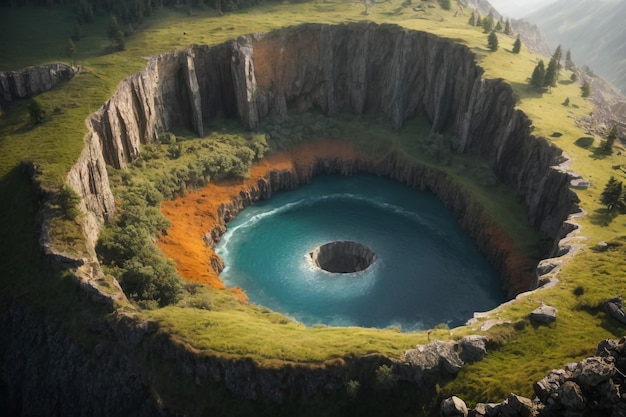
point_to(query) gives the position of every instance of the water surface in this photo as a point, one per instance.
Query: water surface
(427, 272)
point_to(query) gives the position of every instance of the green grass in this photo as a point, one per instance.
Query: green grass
(54, 146)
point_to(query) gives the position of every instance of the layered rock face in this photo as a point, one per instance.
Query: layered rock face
(31, 81)
(343, 257)
(382, 70)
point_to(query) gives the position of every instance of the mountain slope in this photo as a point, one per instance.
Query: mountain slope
(593, 30)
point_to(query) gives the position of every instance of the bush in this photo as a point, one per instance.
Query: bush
(352, 388)
(385, 379)
(68, 202)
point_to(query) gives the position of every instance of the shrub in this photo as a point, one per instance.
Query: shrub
(385, 379)
(68, 201)
(352, 388)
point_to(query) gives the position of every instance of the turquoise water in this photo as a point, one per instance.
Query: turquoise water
(427, 272)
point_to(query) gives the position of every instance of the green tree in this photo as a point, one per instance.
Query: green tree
(507, 28)
(585, 89)
(612, 195)
(517, 46)
(610, 139)
(558, 57)
(385, 378)
(498, 26)
(492, 41)
(116, 35)
(551, 74)
(445, 4)
(488, 23)
(36, 112)
(569, 64)
(539, 75)
(71, 50)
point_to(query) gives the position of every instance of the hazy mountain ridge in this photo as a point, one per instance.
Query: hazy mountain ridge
(593, 30)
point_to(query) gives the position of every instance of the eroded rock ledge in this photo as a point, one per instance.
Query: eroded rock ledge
(31, 81)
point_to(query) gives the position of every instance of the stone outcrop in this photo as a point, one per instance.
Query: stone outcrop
(343, 257)
(543, 314)
(591, 387)
(426, 362)
(31, 81)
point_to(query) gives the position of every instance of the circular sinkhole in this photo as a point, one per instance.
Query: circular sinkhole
(343, 257)
(423, 269)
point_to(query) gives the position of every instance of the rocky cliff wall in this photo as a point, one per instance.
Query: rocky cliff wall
(383, 70)
(31, 81)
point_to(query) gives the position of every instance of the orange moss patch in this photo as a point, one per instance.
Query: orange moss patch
(193, 215)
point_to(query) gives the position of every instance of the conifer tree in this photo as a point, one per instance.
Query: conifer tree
(585, 89)
(498, 27)
(612, 195)
(488, 23)
(551, 74)
(507, 28)
(116, 35)
(611, 137)
(517, 46)
(492, 41)
(445, 4)
(539, 75)
(36, 112)
(71, 50)
(569, 64)
(557, 57)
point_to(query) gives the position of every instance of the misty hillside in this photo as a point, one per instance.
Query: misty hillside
(594, 30)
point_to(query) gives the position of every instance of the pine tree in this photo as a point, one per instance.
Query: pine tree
(473, 18)
(488, 23)
(71, 50)
(498, 26)
(612, 195)
(551, 74)
(557, 57)
(517, 46)
(116, 35)
(539, 75)
(507, 28)
(36, 112)
(492, 41)
(569, 64)
(445, 4)
(611, 137)
(585, 89)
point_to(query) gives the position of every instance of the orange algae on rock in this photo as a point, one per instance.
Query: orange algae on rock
(196, 213)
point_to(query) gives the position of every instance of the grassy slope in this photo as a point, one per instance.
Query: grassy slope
(56, 144)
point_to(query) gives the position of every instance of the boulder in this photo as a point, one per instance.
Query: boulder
(544, 314)
(473, 348)
(593, 371)
(570, 396)
(453, 407)
(516, 406)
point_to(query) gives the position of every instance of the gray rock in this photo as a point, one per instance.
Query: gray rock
(516, 406)
(453, 407)
(593, 371)
(544, 314)
(571, 396)
(31, 81)
(473, 348)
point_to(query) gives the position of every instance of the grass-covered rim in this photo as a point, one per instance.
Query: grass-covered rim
(525, 352)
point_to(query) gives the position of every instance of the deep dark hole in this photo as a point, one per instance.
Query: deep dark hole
(343, 257)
